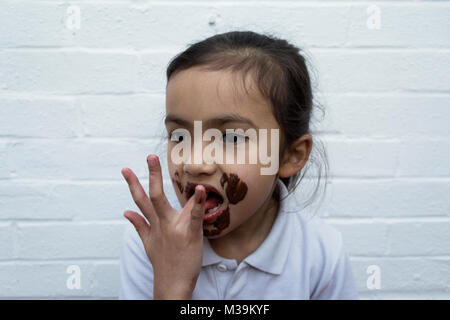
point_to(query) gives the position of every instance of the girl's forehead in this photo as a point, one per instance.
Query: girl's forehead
(197, 94)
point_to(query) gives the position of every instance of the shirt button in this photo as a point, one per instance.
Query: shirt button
(222, 267)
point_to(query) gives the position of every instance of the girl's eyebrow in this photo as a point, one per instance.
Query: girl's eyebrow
(220, 120)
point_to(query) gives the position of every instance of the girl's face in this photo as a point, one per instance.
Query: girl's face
(217, 100)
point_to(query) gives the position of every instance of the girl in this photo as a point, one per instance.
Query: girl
(235, 233)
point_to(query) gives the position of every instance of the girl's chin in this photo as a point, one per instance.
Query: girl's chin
(214, 233)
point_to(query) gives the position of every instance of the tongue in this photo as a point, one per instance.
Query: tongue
(212, 201)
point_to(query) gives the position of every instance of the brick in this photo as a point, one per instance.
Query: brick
(402, 24)
(384, 115)
(403, 276)
(39, 117)
(424, 157)
(7, 240)
(69, 240)
(45, 201)
(390, 70)
(68, 71)
(105, 281)
(406, 237)
(325, 24)
(84, 159)
(48, 280)
(360, 157)
(405, 198)
(136, 116)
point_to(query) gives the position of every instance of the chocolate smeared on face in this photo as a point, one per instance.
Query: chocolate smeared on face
(180, 187)
(222, 222)
(177, 182)
(236, 188)
(210, 233)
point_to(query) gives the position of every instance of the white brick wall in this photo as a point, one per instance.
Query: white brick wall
(76, 106)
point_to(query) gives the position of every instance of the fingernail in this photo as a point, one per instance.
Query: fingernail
(199, 194)
(124, 174)
(152, 161)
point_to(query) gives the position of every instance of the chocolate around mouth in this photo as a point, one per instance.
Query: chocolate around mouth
(190, 190)
(222, 222)
(177, 182)
(236, 190)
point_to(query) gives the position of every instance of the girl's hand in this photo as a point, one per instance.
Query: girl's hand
(174, 239)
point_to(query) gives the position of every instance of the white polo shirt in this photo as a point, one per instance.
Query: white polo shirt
(301, 258)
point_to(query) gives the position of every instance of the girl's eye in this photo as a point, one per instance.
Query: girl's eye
(233, 138)
(177, 136)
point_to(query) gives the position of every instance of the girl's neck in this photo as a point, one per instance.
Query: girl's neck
(245, 239)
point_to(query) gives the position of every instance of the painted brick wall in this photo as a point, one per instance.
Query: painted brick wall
(77, 105)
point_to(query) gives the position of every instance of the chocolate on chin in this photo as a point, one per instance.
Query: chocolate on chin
(222, 222)
(210, 233)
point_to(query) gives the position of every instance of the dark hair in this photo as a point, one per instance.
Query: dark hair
(279, 70)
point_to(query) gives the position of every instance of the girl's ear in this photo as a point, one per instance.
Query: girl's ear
(295, 156)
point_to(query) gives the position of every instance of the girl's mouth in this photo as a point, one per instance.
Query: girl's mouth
(214, 203)
(213, 209)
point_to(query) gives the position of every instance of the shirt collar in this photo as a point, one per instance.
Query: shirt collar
(272, 254)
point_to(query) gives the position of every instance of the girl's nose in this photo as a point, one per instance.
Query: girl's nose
(199, 169)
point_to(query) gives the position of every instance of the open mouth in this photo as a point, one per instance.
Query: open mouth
(214, 204)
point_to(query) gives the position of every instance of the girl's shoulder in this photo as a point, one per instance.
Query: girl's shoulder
(319, 229)
(316, 236)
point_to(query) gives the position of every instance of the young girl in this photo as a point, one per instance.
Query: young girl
(235, 233)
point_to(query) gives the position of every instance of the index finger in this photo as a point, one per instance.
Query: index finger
(156, 190)
(139, 195)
